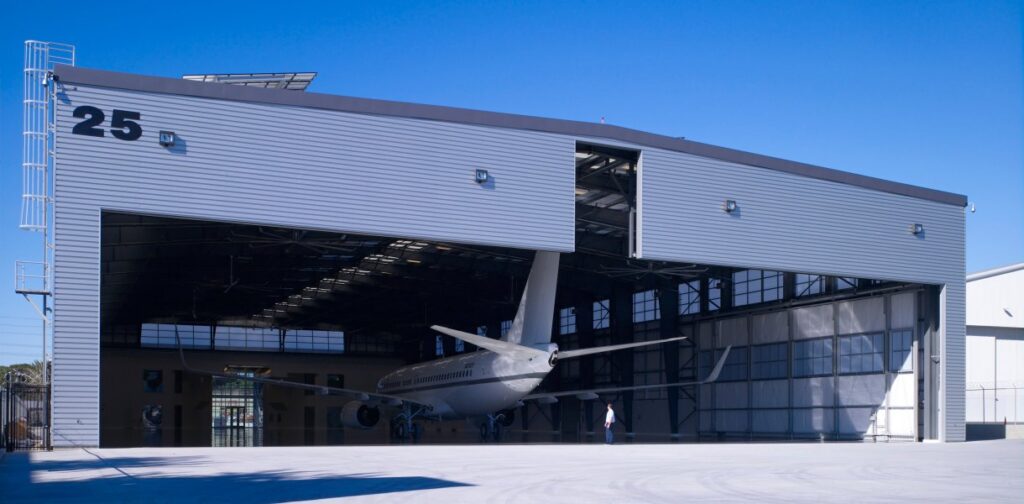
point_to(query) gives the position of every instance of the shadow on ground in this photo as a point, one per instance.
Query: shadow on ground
(107, 481)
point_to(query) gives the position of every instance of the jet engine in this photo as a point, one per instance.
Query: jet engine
(359, 415)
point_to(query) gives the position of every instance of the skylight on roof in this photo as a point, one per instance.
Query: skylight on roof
(294, 81)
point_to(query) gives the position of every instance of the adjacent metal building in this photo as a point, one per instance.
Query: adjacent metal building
(316, 162)
(995, 345)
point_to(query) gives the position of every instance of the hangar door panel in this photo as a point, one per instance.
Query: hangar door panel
(843, 370)
(790, 222)
(314, 168)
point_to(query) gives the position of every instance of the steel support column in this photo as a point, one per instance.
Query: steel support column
(668, 297)
(585, 331)
(622, 332)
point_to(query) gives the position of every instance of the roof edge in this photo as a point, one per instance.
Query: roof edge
(995, 271)
(167, 85)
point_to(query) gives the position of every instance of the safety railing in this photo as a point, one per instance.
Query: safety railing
(32, 277)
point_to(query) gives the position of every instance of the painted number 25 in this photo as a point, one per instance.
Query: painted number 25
(122, 123)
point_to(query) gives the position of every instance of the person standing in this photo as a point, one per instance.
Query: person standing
(609, 422)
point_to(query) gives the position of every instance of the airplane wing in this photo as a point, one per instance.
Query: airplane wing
(373, 397)
(569, 354)
(588, 394)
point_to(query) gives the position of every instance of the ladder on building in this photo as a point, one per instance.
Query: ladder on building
(35, 277)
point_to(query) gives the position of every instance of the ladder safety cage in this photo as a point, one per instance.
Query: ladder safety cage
(38, 129)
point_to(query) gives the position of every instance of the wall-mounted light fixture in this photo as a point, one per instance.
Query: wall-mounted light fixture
(917, 229)
(482, 176)
(730, 206)
(167, 138)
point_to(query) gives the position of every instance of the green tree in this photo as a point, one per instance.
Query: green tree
(33, 372)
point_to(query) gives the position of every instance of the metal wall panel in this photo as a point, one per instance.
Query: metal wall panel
(952, 340)
(813, 420)
(904, 312)
(770, 421)
(770, 393)
(791, 223)
(731, 395)
(855, 421)
(817, 391)
(287, 166)
(861, 390)
(732, 332)
(861, 316)
(319, 169)
(770, 328)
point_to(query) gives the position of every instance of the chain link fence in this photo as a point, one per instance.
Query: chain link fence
(995, 403)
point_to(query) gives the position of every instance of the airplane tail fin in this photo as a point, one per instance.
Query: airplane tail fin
(532, 325)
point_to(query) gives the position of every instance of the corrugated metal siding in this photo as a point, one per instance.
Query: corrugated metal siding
(76, 352)
(953, 320)
(791, 223)
(287, 166)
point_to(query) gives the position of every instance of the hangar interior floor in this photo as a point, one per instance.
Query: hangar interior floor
(988, 471)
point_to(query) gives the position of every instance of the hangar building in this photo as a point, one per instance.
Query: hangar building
(316, 238)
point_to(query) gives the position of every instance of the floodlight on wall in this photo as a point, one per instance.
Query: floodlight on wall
(730, 206)
(917, 229)
(482, 176)
(167, 138)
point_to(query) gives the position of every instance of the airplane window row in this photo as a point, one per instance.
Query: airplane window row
(428, 379)
(399, 383)
(445, 376)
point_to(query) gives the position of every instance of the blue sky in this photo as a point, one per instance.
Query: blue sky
(927, 93)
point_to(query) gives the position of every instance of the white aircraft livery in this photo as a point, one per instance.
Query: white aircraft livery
(487, 384)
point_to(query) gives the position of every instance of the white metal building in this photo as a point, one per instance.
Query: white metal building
(995, 345)
(749, 250)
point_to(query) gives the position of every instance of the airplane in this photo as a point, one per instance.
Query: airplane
(485, 385)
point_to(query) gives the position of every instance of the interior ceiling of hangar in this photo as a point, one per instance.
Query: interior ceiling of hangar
(166, 269)
(163, 269)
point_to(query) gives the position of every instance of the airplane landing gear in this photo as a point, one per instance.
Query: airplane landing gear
(491, 428)
(490, 431)
(403, 428)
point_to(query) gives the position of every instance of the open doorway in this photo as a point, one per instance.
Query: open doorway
(237, 409)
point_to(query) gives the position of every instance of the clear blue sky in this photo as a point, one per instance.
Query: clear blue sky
(928, 93)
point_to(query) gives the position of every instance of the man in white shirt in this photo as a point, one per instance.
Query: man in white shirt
(609, 421)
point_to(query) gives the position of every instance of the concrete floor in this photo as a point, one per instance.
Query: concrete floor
(987, 471)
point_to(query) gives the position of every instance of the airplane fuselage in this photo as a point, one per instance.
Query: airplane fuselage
(468, 385)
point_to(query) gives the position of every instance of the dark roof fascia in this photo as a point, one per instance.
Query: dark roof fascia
(133, 82)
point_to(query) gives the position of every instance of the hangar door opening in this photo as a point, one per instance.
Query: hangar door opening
(310, 307)
(813, 355)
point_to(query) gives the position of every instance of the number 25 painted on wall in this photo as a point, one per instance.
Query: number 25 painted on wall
(122, 123)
